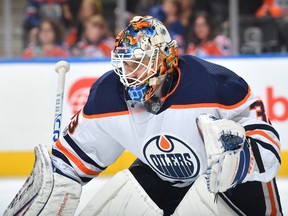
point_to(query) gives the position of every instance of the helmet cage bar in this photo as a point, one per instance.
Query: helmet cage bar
(118, 59)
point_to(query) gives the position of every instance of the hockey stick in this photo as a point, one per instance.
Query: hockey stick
(62, 67)
(36, 190)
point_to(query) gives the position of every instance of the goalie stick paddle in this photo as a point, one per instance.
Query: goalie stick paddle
(36, 190)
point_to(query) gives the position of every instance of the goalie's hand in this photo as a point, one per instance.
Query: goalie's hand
(230, 158)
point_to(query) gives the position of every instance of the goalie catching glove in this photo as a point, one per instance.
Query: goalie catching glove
(230, 157)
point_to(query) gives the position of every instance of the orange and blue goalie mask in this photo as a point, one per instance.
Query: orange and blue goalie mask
(142, 57)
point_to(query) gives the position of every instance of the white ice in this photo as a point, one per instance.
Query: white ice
(10, 186)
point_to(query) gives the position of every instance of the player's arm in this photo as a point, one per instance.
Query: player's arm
(84, 149)
(263, 139)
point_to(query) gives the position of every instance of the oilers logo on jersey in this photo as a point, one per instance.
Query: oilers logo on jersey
(171, 158)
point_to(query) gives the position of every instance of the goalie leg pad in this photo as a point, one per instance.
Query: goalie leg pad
(122, 195)
(64, 198)
(199, 201)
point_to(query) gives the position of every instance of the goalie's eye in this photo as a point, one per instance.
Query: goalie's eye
(131, 64)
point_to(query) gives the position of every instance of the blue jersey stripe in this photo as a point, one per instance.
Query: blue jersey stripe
(246, 157)
(262, 127)
(270, 148)
(83, 179)
(257, 154)
(240, 169)
(81, 153)
(60, 155)
(244, 162)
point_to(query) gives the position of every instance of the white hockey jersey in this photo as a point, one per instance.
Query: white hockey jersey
(169, 142)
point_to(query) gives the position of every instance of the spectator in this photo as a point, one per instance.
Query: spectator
(186, 16)
(49, 42)
(203, 39)
(169, 13)
(187, 10)
(96, 41)
(70, 12)
(136, 8)
(38, 10)
(218, 10)
(277, 10)
(87, 9)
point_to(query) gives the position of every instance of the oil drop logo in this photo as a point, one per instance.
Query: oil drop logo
(171, 158)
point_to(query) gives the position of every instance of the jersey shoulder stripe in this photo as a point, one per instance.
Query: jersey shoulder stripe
(103, 115)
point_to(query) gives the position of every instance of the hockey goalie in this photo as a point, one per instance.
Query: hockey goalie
(203, 142)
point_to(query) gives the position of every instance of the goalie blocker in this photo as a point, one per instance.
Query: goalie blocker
(45, 192)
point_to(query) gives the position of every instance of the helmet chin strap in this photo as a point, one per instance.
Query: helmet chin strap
(156, 80)
(154, 103)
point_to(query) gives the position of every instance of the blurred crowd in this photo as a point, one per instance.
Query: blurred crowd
(86, 28)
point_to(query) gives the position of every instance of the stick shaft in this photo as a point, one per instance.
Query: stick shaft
(59, 104)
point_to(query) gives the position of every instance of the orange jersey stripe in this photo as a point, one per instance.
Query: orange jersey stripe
(262, 133)
(213, 105)
(272, 199)
(75, 160)
(104, 115)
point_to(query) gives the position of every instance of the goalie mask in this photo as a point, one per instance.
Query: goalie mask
(144, 58)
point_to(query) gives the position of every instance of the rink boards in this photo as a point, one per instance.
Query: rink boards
(28, 88)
